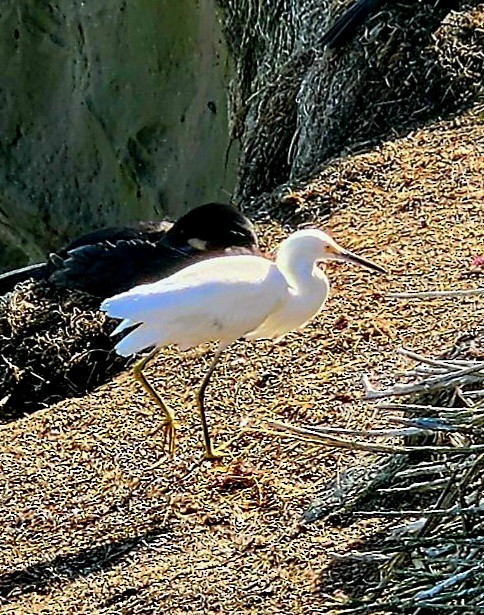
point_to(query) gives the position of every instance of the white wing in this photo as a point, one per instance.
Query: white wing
(217, 299)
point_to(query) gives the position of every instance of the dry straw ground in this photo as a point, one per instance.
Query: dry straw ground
(97, 519)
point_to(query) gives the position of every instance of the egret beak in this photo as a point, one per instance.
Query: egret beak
(350, 257)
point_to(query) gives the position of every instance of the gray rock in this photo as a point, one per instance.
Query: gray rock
(109, 112)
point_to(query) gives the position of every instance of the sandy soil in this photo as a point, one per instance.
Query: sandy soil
(97, 519)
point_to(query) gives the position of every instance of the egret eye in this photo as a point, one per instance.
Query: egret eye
(198, 244)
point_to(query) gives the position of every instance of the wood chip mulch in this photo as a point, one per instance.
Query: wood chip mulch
(97, 519)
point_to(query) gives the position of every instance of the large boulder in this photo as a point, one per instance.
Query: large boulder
(109, 111)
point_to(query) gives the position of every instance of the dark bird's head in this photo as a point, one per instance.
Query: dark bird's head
(213, 226)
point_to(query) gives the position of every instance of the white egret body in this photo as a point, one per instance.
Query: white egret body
(226, 298)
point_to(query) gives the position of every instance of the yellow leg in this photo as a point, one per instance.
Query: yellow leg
(169, 422)
(210, 453)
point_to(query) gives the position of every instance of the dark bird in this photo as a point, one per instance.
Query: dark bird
(345, 27)
(112, 260)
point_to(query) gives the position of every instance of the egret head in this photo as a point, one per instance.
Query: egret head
(213, 226)
(319, 247)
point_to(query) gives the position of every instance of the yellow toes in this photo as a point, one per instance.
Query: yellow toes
(213, 454)
(169, 427)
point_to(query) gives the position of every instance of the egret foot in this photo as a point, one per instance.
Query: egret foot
(219, 453)
(169, 427)
(213, 454)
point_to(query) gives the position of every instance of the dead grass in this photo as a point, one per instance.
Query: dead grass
(295, 104)
(96, 519)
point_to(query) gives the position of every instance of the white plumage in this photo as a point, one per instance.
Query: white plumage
(227, 304)
(227, 298)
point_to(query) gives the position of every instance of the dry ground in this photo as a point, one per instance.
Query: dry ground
(96, 518)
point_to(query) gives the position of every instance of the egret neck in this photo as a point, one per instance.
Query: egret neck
(308, 289)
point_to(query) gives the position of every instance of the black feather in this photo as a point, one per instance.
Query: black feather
(112, 260)
(345, 27)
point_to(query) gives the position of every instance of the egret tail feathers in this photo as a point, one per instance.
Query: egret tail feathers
(124, 324)
(138, 340)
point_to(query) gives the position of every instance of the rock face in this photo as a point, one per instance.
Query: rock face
(109, 112)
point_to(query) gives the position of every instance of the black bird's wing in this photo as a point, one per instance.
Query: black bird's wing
(10, 279)
(152, 231)
(106, 269)
(94, 243)
(344, 28)
(110, 260)
(110, 264)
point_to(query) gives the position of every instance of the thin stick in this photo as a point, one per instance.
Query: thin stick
(447, 365)
(436, 382)
(309, 435)
(411, 430)
(412, 407)
(437, 294)
(433, 512)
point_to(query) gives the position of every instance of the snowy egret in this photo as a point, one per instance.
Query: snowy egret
(111, 260)
(239, 296)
